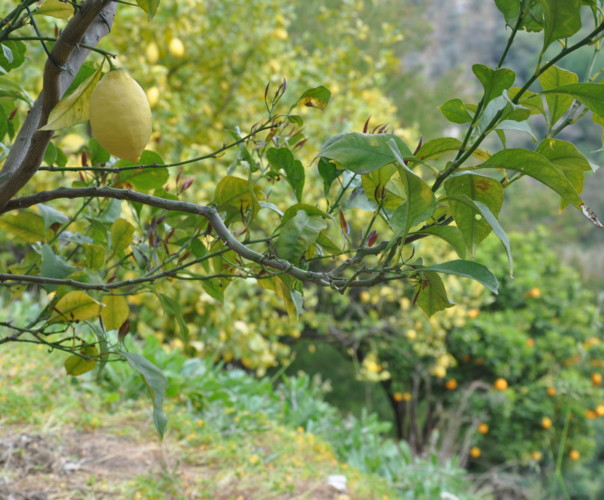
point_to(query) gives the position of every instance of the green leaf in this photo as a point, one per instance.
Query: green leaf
(557, 104)
(591, 95)
(234, 195)
(174, 309)
(310, 210)
(283, 158)
(28, 226)
(51, 215)
(377, 183)
(517, 126)
(431, 294)
(455, 111)
(561, 19)
(488, 216)
(532, 20)
(467, 269)
(329, 173)
(529, 100)
(156, 383)
(433, 149)
(494, 82)
(56, 8)
(362, 153)
(77, 365)
(73, 109)
(12, 55)
(95, 255)
(98, 154)
(538, 167)
(297, 235)
(450, 234)
(569, 161)
(317, 97)
(149, 6)
(121, 235)
(74, 306)
(13, 90)
(479, 188)
(144, 179)
(53, 266)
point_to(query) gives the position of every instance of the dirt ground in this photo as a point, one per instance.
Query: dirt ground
(84, 465)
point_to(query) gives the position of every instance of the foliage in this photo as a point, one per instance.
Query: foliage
(350, 223)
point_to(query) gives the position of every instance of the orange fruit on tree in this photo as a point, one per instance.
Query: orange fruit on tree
(483, 428)
(551, 391)
(397, 396)
(475, 452)
(596, 379)
(451, 384)
(500, 384)
(574, 455)
(533, 293)
(590, 415)
(536, 456)
(546, 422)
(600, 410)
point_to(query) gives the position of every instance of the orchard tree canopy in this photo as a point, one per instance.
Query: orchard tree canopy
(95, 233)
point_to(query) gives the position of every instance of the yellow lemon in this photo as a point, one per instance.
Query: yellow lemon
(500, 384)
(176, 47)
(475, 452)
(536, 456)
(152, 96)
(120, 116)
(483, 428)
(546, 423)
(574, 455)
(152, 52)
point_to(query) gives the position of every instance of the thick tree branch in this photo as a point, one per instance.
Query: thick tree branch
(91, 22)
(218, 225)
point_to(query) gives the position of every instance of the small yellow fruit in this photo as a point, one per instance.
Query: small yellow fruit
(152, 96)
(176, 47)
(600, 410)
(473, 313)
(398, 397)
(574, 455)
(451, 384)
(590, 415)
(120, 116)
(536, 456)
(280, 34)
(500, 384)
(533, 293)
(439, 371)
(475, 452)
(411, 334)
(596, 379)
(483, 428)
(530, 342)
(152, 53)
(551, 391)
(546, 423)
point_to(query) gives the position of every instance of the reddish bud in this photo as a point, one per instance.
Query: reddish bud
(373, 235)
(12, 114)
(344, 224)
(366, 126)
(419, 146)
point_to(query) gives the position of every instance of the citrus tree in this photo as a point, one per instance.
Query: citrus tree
(123, 222)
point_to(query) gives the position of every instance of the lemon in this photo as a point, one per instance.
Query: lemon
(120, 116)
(152, 96)
(152, 52)
(176, 47)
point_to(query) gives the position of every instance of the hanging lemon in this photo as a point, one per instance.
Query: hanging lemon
(120, 116)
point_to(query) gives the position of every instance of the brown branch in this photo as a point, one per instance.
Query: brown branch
(91, 22)
(218, 225)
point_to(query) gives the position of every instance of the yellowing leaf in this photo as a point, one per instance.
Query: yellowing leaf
(77, 365)
(75, 306)
(26, 225)
(121, 235)
(56, 8)
(115, 312)
(73, 109)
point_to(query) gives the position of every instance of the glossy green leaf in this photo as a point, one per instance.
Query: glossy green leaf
(12, 54)
(297, 235)
(75, 306)
(28, 226)
(529, 100)
(317, 97)
(73, 109)
(431, 295)
(53, 266)
(156, 383)
(433, 149)
(283, 159)
(532, 20)
(329, 173)
(77, 365)
(479, 188)
(561, 19)
(557, 104)
(362, 153)
(51, 215)
(450, 234)
(310, 210)
(95, 255)
(467, 269)
(121, 235)
(494, 82)
(538, 167)
(591, 95)
(455, 111)
(13, 90)
(149, 6)
(144, 179)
